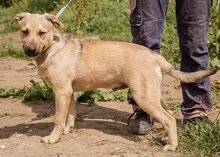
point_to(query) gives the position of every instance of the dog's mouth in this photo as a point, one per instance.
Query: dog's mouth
(30, 51)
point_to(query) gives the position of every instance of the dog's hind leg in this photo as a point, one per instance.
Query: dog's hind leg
(147, 96)
(70, 117)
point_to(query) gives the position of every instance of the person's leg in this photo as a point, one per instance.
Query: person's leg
(192, 23)
(146, 19)
(147, 22)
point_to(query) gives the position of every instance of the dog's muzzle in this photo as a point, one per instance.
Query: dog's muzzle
(30, 51)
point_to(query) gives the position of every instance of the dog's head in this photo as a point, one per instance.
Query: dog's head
(37, 31)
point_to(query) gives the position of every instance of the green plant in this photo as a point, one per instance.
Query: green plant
(79, 15)
(169, 45)
(14, 52)
(8, 3)
(7, 23)
(13, 93)
(213, 45)
(107, 19)
(195, 139)
(94, 96)
(37, 91)
(200, 139)
(41, 91)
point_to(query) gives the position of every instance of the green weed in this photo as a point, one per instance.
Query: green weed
(94, 96)
(41, 91)
(37, 91)
(173, 105)
(13, 93)
(7, 14)
(14, 52)
(169, 45)
(200, 139)
(195, 139)
(109, 20)
(218, 22)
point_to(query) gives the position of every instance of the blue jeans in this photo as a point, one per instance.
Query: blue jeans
(147, 19)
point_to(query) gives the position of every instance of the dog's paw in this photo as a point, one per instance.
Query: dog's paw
(50, 139)
(66, 130)
(169, 147)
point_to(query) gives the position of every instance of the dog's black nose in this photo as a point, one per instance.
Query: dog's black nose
(31, 51)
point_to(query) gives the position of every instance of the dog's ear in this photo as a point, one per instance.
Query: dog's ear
(20, 16)
(54, 20)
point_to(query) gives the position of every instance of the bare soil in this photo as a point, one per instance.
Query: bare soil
(100, 131)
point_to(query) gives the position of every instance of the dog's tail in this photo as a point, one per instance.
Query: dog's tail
(183, 76)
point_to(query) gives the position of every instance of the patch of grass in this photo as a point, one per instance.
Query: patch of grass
(7, 14)
(41, 91)
(37, 91)
(12, 93)
(10, 45)
(109, 20)
(213, 45)
(195, 140)
(215, 86)
(94, 96)
(158, 138)
(14, 52)
(173, 105)
(169, 45)
(200, 139)
(218, 22)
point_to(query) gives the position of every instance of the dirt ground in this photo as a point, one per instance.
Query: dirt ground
(100, 131)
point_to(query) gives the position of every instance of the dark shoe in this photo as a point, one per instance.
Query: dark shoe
(140, 122)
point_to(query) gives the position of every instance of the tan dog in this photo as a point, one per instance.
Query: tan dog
(70, 64)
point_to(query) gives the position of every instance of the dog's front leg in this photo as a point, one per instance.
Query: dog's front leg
(62, 98)
(70, 117)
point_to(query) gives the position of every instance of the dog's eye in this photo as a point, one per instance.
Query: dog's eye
(25, 32)
(42, 33)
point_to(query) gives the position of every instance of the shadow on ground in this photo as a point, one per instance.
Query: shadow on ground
(102, 118)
